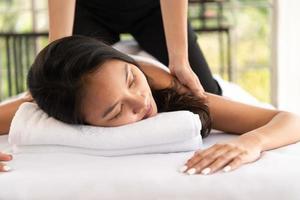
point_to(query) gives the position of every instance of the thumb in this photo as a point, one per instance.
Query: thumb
(195, 86)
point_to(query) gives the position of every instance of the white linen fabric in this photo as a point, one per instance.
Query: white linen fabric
(56, 176)
(33, 130)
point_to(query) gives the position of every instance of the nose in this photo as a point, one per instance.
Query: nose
(138, 102)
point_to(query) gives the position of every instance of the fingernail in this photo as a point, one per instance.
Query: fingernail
(10, 156)
(6, 168)
(227, 168)
(205, 171)
(4, 152)
(191, 171)
(183, 168)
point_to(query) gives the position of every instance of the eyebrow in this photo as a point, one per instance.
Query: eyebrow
(111, 108)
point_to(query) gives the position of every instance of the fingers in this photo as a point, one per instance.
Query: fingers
(180, 88)
(5, 157)
(224, 157)
(197, 89)
(199, 155)
(4, 168)
(234, 164)
(211, 162)
(228, 161)
(27, 97)
(191, 81)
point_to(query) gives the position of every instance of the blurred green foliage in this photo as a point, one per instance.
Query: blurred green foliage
(15, 16)
(251, 41)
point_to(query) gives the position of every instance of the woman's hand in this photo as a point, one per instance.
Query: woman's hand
(4, 157)
(27, 97)
(227, 156)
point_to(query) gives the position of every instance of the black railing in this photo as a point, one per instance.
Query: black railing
(210, 18)
(17, 53)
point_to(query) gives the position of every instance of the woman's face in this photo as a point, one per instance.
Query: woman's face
(117, 94)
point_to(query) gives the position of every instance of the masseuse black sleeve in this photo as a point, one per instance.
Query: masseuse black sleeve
(88, 24)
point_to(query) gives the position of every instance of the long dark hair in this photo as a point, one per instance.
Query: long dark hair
(56, 80)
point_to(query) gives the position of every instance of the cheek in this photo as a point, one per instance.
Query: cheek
(128, 117)
(142, 83)
(140, 76)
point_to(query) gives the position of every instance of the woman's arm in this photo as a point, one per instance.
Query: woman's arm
(261, 129)
(8, 110)
(267, 128)
(272, 128)
(61, 18)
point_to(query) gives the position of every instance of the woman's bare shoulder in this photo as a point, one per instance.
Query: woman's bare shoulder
(158, 74)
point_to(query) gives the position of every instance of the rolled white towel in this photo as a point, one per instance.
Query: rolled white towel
(32, 130)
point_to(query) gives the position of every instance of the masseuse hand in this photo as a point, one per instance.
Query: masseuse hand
(186, 76)
(4, 157)
(224, 156)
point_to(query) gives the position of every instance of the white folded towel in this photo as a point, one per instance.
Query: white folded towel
(32, 130)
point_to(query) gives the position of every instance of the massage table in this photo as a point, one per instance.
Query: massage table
(43, 176)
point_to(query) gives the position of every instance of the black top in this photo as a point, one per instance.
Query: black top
(118, 15)
(115, 6)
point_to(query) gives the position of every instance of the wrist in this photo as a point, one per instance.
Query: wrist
(178, 60)
(253, 140)
(179, 63)
(178, 57)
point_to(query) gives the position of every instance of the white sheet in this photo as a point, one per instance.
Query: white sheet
(154, 176)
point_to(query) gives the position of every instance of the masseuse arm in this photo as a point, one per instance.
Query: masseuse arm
(61, 18)
(174, 15)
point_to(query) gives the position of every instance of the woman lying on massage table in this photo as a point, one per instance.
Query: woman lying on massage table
(80, 80)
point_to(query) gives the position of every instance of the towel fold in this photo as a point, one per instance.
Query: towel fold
(32, 130)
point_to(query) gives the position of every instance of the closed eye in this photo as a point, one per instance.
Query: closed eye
(130, 85)
(119, 114)
(132, 81)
